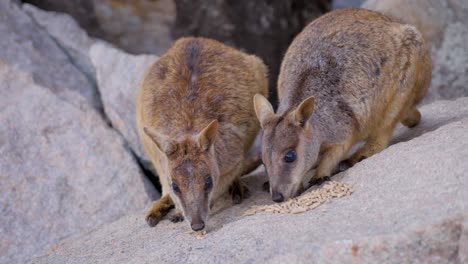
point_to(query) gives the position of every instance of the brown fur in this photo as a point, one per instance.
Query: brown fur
(196, 121)
(349, 76)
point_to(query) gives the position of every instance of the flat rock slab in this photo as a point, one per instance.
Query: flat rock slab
(409, 205)
(63, 170)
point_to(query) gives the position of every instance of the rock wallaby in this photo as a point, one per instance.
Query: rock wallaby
(349, 76)
(196, 120)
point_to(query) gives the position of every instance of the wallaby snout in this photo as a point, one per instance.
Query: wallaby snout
(197, 224)
(277, 197)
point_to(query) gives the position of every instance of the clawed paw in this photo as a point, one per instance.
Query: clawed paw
(239, 192)
(353, 160)
(177, 217)
(266, 186)
(159, 209)
(344, 165)
(152, 219)
(318, 181)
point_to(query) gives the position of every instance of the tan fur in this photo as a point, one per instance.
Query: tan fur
(361, 73)
(196, 121)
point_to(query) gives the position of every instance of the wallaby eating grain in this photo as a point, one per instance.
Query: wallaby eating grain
(196, 120)
(349, 76)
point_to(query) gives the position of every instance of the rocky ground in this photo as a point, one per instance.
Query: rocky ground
(75, 181)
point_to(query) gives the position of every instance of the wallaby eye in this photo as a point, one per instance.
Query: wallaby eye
(175, 187)
(290, 156)
(208, 183)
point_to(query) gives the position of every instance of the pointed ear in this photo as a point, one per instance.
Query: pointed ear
(207, 136)
(165, 145)
(263, 109)
(304, 111)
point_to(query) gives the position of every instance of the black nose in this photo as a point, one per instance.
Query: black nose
(198, 226)
(277, 197)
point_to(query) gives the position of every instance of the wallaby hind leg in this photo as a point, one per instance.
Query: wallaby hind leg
(412, 118)
(375, 143)
(159, 209)
(238, 191)
(380, 137)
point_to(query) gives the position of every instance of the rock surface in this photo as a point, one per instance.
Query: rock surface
(410, 205)
(63, 171)
(119, 75)
(444, 24)
(68, 35)
(115, 73)
(26, 46)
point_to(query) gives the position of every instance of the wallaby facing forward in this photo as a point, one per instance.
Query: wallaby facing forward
(196, 120)
(350, 75)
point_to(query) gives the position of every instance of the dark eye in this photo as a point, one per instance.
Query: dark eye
(175, 187)
(208, 183)
(290, 156)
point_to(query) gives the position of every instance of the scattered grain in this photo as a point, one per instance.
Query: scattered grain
(306, 201)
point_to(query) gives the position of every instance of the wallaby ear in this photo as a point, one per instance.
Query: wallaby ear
(164, 144)
(263, 109)
(304, 111)
(207, 136)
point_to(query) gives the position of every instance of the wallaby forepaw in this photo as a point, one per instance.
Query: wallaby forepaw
(344, 165)
(159, 209)
(177, 217)
(153, 219)
(318, 181)
(239, 192)
(354, 159)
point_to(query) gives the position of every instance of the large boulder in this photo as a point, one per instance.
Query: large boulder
(27, 46)
(119, 75)
(63, 170)
(410, 204)
(68, 35)
(115, 73)
(443, 24)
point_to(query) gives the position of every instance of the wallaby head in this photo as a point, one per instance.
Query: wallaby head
(192, 170)
(289, 148)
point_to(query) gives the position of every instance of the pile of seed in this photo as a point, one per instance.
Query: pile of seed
(198, 234)
(306, 201)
